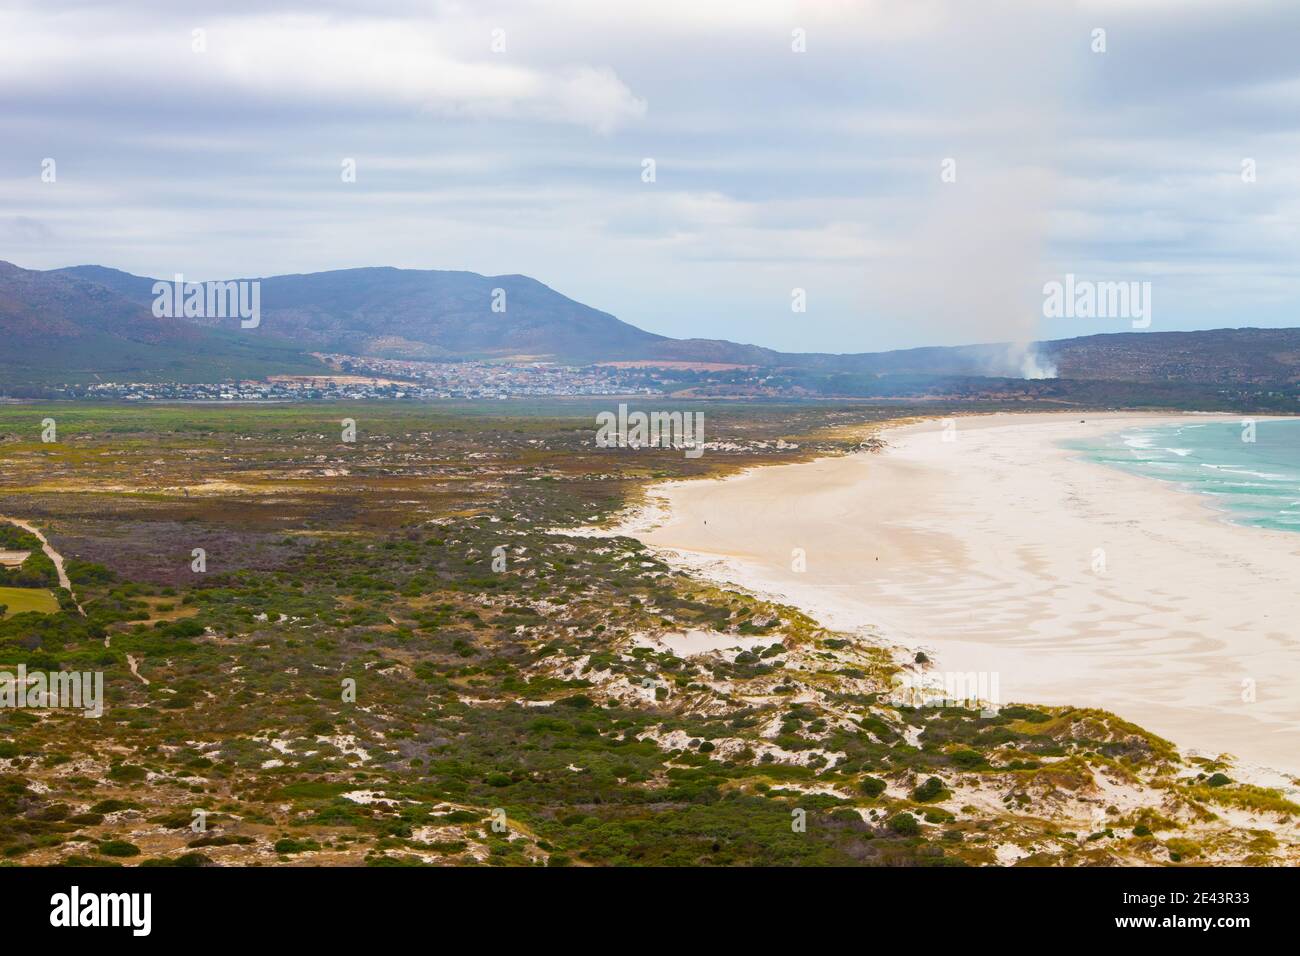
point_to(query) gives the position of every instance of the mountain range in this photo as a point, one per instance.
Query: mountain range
(88, 323)
(58, 327)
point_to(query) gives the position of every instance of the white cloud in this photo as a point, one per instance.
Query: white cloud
(313, 62)
(775, 169)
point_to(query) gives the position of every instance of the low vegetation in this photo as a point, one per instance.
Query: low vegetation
(392, 652)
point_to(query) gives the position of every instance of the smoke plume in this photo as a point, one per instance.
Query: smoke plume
(969, 267)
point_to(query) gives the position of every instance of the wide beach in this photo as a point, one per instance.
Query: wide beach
(995, 550)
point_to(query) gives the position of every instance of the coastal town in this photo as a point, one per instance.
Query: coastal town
(353, 378)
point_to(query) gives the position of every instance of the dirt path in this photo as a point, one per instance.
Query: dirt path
(64, 581)
(135, 665)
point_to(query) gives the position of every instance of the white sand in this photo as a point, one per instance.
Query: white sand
(981, 551)
(695, 643)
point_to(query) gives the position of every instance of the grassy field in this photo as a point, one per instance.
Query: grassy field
(19, 600)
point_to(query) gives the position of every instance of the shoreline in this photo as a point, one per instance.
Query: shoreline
(980, 552)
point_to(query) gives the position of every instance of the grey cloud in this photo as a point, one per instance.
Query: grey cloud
(775, 169)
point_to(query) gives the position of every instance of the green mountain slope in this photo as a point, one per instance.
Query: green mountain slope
(57, 327)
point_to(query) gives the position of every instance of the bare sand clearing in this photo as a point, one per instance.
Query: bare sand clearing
(981, 551)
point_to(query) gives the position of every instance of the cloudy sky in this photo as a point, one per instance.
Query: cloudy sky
(511, 137)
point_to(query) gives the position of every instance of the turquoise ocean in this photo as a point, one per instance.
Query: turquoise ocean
(1253, 483)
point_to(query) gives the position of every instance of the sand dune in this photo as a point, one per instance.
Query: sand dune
(986, 551)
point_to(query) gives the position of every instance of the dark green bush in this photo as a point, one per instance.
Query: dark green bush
(872, 786)
(932, 789)
(904, 824)
(118, 848)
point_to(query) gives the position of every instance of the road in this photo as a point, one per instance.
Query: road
(64, 580)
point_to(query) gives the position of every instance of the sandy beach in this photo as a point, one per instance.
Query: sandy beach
(999, 551)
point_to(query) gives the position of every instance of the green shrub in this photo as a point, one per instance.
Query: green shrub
(110, 806)
(904, 824)
(967, 759)
(872, 786)
(289, 845)
(932, 789)
(118, 848)
(185, 859)
(1026, 714)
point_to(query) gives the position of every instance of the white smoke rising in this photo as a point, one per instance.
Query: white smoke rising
(1032, 365)
(969, 269)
